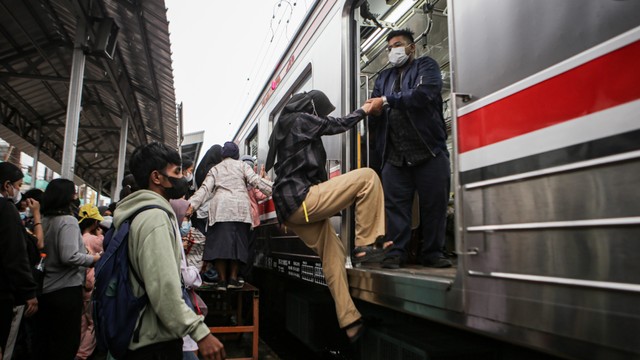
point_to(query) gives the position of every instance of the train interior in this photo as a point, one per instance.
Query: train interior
(428, 21)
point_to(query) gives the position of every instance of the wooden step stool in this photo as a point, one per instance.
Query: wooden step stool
(246, 290)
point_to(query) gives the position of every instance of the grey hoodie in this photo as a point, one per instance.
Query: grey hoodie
(154, 252)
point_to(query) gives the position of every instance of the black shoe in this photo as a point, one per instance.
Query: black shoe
(438, 263)
(391, 262)
(370, 253)
(358, 334)
(222, 286)
(234, 284)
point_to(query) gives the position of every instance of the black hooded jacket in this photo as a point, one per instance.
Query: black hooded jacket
(209, 160)
(16, 278)
(296, 142)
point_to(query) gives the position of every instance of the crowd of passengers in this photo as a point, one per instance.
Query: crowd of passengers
(195, 228)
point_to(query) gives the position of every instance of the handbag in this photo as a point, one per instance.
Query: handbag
(194, 301)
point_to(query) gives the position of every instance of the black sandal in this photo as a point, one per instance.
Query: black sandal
(372, 253)
(353, 339)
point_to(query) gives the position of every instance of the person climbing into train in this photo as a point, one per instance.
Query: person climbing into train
(411, 139)
(306, 199)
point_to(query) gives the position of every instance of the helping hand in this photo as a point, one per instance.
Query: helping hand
(376, 106)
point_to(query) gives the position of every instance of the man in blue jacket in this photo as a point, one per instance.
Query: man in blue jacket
(411, 140)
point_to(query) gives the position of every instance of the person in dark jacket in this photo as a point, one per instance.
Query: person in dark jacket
(306, 198)
(411, 140)
(16, 280)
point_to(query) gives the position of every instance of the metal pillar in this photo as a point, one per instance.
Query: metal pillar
(122, 153)
(86, 193)
(99, 192)
(113, 191)
(73, 107)
(36, 158)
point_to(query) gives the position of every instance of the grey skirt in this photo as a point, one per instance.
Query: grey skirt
(227, 240)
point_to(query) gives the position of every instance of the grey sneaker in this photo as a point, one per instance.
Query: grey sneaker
(222, 286)
(234, 284)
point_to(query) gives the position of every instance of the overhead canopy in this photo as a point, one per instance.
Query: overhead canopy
(36, 44)
(191, 145)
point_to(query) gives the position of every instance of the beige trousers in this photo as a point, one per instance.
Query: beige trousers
(326, 199)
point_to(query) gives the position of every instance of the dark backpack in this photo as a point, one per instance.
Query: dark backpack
(115, 307)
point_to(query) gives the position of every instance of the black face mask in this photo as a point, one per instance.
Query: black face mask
(179, 188)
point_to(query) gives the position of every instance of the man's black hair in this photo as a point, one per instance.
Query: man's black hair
(87, 223)
(35, 194)
(58, 197)
(406, 33)
(147, 158)
(187, 162)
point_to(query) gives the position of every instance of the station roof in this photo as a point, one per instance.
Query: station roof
(192, 145)
(36, 46)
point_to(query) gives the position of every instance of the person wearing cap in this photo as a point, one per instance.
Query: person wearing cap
(61, 301)
(16, 279)
(89, 222)
(229, 213)
(306, 199)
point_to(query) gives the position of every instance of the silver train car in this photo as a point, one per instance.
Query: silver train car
(542, 99)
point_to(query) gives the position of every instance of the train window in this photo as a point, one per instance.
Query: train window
(302, 83)
(252, 143)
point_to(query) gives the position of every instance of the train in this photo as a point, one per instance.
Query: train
(542, 106)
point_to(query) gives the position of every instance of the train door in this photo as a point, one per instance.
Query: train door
(546, 119)
(376, 19)
(428, 21)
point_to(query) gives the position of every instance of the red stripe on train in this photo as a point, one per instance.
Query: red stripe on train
(610, 80)
(267, 207)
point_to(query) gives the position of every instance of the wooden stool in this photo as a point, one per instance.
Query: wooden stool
(247, 289)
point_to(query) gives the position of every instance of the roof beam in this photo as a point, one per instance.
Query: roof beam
(7, 74)
(149, 60)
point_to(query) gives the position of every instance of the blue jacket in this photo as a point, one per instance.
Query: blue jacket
(420, 97)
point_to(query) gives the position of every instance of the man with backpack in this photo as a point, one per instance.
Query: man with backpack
(154, 258)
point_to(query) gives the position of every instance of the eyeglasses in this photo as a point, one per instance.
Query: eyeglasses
(396, 45)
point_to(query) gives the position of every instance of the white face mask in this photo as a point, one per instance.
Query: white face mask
(398, 56)
(17, 195)
(189, 177)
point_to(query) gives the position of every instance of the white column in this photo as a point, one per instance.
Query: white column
(73, 105)
(122, 154)
(36, 158)
(99, 192)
